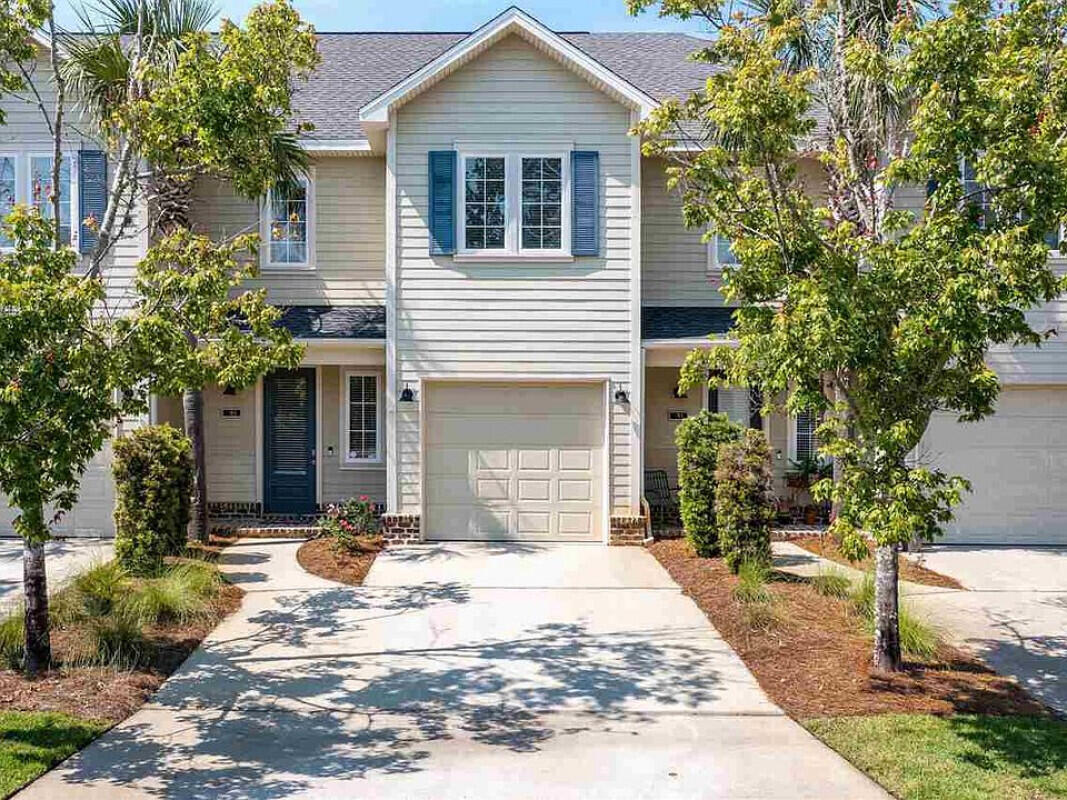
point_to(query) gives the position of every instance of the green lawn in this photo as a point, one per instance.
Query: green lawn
(31, 744)
(921, 757)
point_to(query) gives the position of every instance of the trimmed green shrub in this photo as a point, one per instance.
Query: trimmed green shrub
(153, 469)
(698, 440)
(744, 510)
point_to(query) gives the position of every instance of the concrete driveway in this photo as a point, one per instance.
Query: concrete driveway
(1014, 614)
(62, 559)
(460, 671)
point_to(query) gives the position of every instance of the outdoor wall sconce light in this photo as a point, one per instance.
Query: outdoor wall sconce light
(407, 395)
(622, 397)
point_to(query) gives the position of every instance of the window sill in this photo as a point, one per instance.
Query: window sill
(487, 258)
(287, 268)
(358, 465)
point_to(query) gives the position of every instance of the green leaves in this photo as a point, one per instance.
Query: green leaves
(19, 20)
(856, 298)
(57, 374)
(193, 325)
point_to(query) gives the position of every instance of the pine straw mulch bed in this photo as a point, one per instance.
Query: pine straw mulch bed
(322, 558)
(109, 693)
(826, 547)
(816, 661)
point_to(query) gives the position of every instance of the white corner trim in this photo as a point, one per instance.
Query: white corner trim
(637, 372)
(392, 463)
(376, 112)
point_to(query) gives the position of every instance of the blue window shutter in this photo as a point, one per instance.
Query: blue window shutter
(92, 195)
(585, 202)
(442, 202)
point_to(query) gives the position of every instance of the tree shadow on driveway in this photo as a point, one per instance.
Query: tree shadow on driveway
(319, 689)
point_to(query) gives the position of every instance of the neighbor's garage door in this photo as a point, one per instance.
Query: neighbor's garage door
(1016, 461)
(514, 461)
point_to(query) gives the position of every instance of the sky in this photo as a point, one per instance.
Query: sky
(449, 15)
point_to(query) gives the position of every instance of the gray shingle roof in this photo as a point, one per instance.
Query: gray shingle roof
(685, 322)
(357, 67)
(334, 322)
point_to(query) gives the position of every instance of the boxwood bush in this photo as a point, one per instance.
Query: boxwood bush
(698, 440)
(153, 468)
(744, 510)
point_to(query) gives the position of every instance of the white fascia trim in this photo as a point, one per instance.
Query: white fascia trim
(376, 112)
(366, 344)
(337, 146)
(665, 344)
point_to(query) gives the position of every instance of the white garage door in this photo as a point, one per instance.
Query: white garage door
(514, 461)
(1016, 461)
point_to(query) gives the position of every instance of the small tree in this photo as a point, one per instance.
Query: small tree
(879, 315)
(698, 440)
(153, 468)
(744, 511)
(56, 397)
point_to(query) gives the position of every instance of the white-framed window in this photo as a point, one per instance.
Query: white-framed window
(803, 444)
(361, 418)
(40, 191)
(513, 203)
(287, 226)
(9, 191)
(720, 254)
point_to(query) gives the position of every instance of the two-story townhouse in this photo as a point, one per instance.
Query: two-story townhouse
(496, 292)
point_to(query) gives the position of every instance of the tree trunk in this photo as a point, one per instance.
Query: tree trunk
(886, 610)
(35, 587)
(193, 408)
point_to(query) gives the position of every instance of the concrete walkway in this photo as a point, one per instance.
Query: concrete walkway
(460, 671)
(62, 559)
(1013, 614)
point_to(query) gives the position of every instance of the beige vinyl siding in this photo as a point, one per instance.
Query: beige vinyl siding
(230, 444)
(674, 259)
(513, 318)
(349, 257)
(340, 481)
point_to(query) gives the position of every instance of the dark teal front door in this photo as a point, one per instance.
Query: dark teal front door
(289, 441)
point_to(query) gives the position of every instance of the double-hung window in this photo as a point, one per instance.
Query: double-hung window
(720, 255)
(288, 225)
(42, 189)
(8, 192)
(362, 418)
(512, 203)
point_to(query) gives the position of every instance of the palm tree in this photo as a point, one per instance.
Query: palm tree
(98, 67)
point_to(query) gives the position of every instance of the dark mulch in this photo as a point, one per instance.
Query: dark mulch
(816, 661)
(320, 557)
(826, 547)
(111, 694)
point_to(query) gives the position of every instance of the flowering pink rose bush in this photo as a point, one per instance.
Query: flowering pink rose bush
(350, 523)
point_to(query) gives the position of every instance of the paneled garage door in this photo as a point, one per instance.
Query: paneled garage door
(514, 461)
(1016, 461)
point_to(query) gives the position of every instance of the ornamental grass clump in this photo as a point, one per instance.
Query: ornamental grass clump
(744, 511)
(180, 595)
(918, 640)
(698, 440)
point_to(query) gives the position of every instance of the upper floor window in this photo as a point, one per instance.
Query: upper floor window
(720, 254)
(289, 225)
(8, 193)
(41, 191)
(512, 203)
(362, 423)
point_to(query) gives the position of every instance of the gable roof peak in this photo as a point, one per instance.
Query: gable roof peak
(512, 20)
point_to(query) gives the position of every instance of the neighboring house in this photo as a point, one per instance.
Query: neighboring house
(496, 292)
